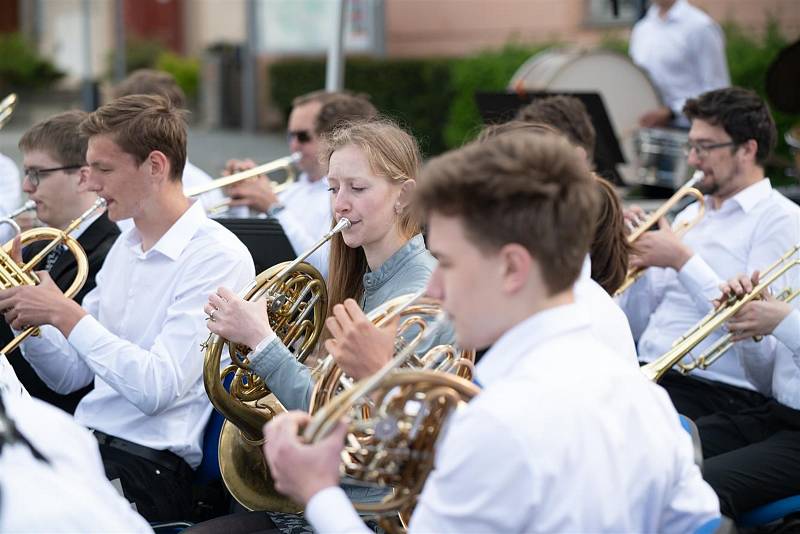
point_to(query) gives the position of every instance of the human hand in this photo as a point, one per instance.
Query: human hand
(359, 347)
(657, 117)
(256, 192)
(301, 470)
(633, 216)
(737, 287)
(236, 319)
(44, 303)
(660, 248)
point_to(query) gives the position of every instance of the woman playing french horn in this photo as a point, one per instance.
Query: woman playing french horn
(373, 168)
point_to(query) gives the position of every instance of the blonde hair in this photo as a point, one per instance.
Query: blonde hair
(393, 154)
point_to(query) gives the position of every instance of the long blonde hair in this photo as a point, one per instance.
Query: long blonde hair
(393, 154)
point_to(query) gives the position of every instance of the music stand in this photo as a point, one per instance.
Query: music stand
(264, 238)
(501, 107)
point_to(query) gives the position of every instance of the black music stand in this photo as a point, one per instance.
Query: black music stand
(501, 107)
(264, 238)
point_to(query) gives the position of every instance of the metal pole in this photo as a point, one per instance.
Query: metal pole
(87, 85)
(334, 71)
(249, 107)
(120, 59)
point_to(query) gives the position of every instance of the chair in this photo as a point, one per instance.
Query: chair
(689, 426)
(768, 513)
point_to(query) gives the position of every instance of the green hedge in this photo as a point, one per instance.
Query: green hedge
(435, 97)
(21, 67)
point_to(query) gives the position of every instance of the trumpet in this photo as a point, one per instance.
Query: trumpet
(285, 163)
(30, 205)
(687, 190)
(296, 300)
(716, 318)
(7, 106)
(397, 415)
(14, 275)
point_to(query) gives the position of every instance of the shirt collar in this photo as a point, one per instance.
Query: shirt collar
(674, 13)
(176, 238)
(500, 360)
(375, 279)
(751, 195)
(586, 270)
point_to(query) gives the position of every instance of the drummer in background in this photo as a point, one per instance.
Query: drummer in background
(683, 51)
(746, 227)
(304, 207)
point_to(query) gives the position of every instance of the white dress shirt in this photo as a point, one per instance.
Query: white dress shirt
(307, 217)
(748, 232)
(609, 323)
(10, 191)
(777, 374)
(9, 382)
(68, 494)
(140, 343)
(561, 439)
(684, 53)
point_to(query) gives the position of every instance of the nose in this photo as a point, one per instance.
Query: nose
(27, 185)
(294, 144)
(90, 178)
(692, 159)
(341, 203)
(435, 289)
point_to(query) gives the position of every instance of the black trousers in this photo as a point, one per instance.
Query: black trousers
(751, 457)
(160, 494)
(696, 397)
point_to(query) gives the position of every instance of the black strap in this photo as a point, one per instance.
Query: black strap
(165, 459)
(10, 435)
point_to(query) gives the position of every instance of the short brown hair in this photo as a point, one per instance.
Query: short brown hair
(529, 189)
(151, 82)
(392, 153)
(314, 96)
(566, 114)
(140, 124)
(342, 108)
(59, 136)
(610, 249)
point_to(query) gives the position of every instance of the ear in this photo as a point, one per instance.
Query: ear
(158, 165)
(406, 193)
(83, 179)
(748, 149)
(516, 264)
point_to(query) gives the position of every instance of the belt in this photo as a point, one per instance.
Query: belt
(165, 459)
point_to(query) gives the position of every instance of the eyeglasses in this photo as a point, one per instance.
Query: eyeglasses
(702, 149)
(302, 136)
(35, 175)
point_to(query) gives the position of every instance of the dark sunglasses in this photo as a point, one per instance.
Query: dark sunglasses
(36, 175)
(302, 136)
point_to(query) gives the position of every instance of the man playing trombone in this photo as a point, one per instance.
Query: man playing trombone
(746, 226)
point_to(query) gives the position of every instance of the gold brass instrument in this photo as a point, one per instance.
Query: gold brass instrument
(715, 319)
(7, 106)
(280, 164)
(30, 205)
(415, 312)
(394, 445)
(687, 190)
(297, 301)
(14, 275)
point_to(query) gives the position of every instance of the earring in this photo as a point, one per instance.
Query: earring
(397, 209)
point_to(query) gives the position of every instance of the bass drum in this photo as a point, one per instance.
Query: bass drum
(626, 90)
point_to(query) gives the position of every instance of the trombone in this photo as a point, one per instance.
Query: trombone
(286, 163)
(716, 318)
(687, 190)
(7, 108)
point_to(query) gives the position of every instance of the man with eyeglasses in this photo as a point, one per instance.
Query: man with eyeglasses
(747, 225)
(303, 209)
(53, 155)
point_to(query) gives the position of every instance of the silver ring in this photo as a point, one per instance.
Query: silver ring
(211, 315)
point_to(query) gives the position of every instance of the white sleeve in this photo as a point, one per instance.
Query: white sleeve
(301, 240)
(10, 186)
(642, 298)
(788, 333)
(712, 65)
(331, 512)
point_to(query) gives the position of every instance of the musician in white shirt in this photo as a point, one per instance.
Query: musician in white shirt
(746, 226)
(752, 456)
(138, 333)
(562, 435)
(683, 51)
(304, 207)
(51, 475)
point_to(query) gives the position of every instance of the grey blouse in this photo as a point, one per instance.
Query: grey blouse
(406, 271)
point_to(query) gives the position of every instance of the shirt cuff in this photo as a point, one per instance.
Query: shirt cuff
(788, 331)
(264, 342)
(330, 511)
(698, 278)
(86, 333)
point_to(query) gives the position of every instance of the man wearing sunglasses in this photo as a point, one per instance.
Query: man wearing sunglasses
(747, 225)
(304, 208)
(54, 156)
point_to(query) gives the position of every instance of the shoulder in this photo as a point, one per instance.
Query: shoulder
(194, 175)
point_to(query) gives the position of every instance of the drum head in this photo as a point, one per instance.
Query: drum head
(625, 88)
